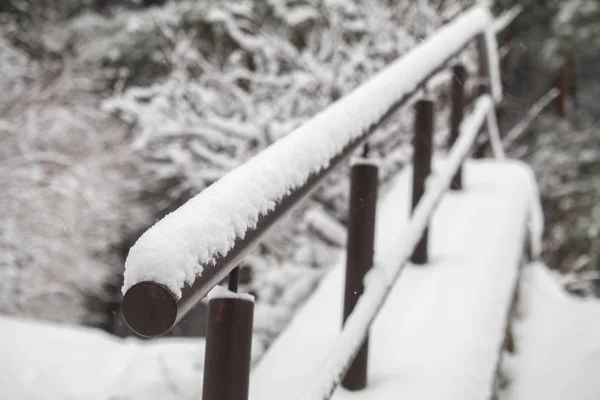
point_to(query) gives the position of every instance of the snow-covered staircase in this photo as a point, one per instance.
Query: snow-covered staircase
(441, 331)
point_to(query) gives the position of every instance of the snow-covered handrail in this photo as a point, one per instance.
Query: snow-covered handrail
(507, 18)
(183, 256)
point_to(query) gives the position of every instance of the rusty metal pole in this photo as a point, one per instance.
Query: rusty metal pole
(459, 76)
(364, 179)
(228, 349)
(423, 148)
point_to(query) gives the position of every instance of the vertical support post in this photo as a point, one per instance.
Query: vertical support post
(233, 280)
(573, 80)
(423, 147)
(459, 76)
(533, 74)
(561, 100)
(359, 257)
(567, 87)
(228, 348)
(510, 42)
(483, 86)
(483, 70)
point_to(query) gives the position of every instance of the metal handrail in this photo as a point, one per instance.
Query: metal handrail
(151, 309)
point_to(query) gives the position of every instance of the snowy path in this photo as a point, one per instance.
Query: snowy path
(439, 335)
(557, 339)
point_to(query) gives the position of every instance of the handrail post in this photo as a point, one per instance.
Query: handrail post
(423, 148)
(567, 86)
(228, 348)
(483, 86)
(459, 76)
(359, 255)
(573, 80)
(562, 92)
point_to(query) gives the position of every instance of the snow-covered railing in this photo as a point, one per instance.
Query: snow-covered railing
(379, 281)
(183, 256)
(186, 254)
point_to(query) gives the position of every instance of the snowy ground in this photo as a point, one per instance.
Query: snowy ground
(557, 339)
(558, 355)
(60, 362)
(45, 361)
(558, 351)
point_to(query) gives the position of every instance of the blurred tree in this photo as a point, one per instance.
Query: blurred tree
(576, 29)
(148, 3)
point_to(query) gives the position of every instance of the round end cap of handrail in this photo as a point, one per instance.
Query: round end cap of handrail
(149, 309)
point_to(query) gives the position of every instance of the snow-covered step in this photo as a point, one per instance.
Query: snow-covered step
(556, 337)
(440, 333)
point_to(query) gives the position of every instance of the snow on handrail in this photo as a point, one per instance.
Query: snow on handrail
(494, 133)
(179, 259)
(382, 277)
(507, 18)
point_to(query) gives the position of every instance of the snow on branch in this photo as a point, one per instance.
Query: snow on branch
(519, 129)
(329, 228)
(175, 250)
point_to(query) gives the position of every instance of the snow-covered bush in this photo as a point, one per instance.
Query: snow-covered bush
(575, 29)
(566, 159)
(64, 198)
(215, 110)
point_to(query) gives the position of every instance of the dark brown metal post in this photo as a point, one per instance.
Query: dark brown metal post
(561, 100)
(459, 76)
(228, 349)
(483, 87)
(233, 279)
(567, 86)
(359, 256)
(573, 80)
(509, 40)
(423, 148)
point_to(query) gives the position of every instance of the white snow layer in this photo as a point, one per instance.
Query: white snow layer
(507, 18)
(493, 63)
(173, 251)
(327, 226)
(59, 362)
(439, 334)
(494, 133)
(556, 340)
(220, 292)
